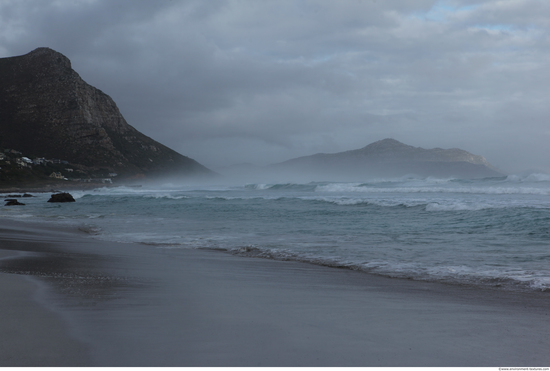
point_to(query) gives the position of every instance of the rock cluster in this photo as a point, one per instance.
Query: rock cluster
(56, 197)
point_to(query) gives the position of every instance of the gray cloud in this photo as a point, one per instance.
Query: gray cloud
(248, 81)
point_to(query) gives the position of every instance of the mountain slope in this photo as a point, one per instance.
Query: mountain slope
(47, 110)
(390, 157)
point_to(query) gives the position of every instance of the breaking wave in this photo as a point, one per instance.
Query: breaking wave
(512, 279)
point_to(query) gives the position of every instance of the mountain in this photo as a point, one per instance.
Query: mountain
(47, 110)
(390, 158)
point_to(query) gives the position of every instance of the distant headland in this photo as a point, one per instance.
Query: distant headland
(389, 158)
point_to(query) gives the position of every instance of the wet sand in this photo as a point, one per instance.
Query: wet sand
(69, 300)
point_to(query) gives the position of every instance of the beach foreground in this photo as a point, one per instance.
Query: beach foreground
(69, 300)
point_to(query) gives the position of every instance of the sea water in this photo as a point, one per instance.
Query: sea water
(493, 231)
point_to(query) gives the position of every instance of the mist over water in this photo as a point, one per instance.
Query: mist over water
(493, 231)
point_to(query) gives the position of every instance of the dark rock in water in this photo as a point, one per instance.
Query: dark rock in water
(14, 196)
(27, 195)
(13, 202)
(61, 197)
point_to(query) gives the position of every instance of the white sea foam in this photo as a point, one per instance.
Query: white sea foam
(360, 188)
(346, 201)
(518, 279)
(90, 229)
(456, 206)
(258, 186)
(165, 195)
(351, 201)
(535, 177)
(18, 216)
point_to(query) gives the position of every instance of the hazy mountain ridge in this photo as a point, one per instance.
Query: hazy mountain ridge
(47, 110)
(390, 157)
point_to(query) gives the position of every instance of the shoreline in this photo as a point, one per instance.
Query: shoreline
(135, 305)
(54, 187)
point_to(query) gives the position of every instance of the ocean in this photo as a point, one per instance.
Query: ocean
(487, 232)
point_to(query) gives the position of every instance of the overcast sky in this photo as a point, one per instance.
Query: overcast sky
(228, 82)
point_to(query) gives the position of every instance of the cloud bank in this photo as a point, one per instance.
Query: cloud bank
(228, 82)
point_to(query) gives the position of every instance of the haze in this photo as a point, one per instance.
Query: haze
(229, 82)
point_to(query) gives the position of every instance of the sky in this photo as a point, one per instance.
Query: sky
(233, 81)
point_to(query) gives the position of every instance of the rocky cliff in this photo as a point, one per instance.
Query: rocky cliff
(390, 158)
(47, 110)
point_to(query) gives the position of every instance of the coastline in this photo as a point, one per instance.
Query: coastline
(47, 187)
(135, 305)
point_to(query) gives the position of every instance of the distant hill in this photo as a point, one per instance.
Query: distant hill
(47, 110)
(389, 158)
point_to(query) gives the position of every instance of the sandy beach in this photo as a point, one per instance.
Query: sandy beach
(69, 300)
